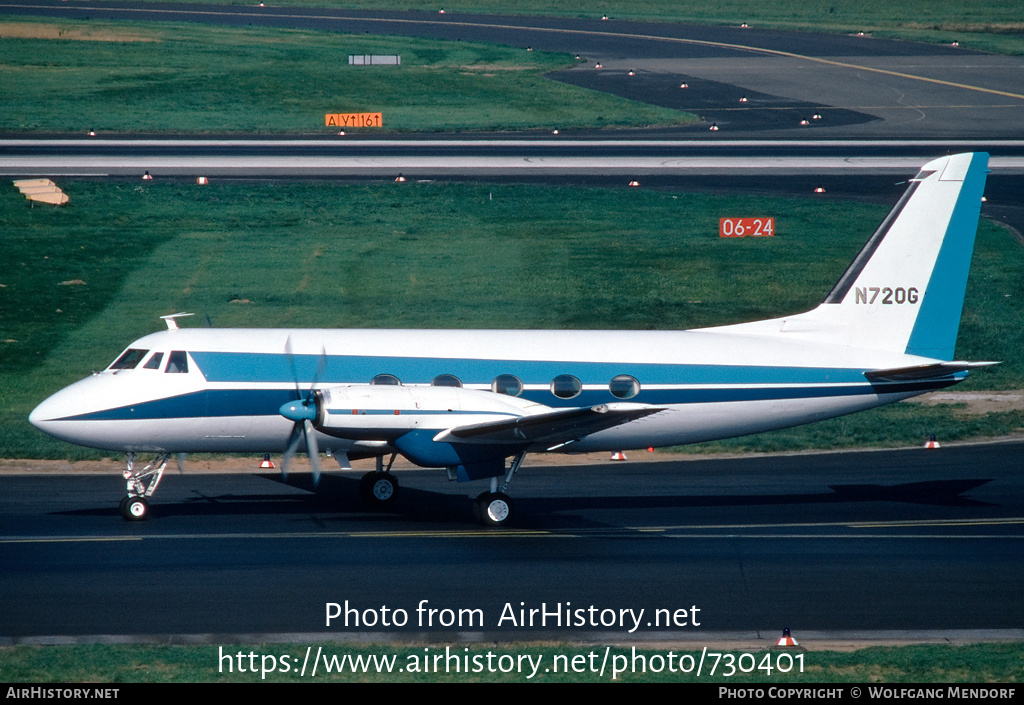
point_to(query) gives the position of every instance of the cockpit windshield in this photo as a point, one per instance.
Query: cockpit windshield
(129, 359)
(178, 361)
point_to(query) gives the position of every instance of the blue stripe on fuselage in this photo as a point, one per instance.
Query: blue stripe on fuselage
(267, 402)
(207, 403)
(262, 368)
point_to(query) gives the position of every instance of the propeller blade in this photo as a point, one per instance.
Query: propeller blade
(180, 457)
(301, 412)
(321, 367)
(289, 453)
(313, 450)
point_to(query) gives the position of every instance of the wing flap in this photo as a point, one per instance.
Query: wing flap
(558, 426)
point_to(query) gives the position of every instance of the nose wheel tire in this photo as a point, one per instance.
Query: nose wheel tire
(134, 508)
(494, 509)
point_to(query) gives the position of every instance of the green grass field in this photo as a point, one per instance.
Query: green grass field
(986, 25)
(150, 78)
(84, 280)
(972, 663)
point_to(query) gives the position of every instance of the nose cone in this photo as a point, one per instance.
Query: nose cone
(44, 414)
(64, 415)
(47, 416)
(298, 410)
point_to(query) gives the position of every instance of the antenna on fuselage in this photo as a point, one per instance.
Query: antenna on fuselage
(173, 324)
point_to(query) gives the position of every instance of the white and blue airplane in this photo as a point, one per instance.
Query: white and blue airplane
(476, 402)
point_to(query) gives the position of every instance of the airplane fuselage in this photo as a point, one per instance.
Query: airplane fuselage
(709, 384)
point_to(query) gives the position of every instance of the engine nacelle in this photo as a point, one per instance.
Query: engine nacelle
(385, 412)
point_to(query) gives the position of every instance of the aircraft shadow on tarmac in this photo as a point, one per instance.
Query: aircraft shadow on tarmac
(339, 495)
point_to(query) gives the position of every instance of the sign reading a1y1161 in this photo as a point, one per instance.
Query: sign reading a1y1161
(353, 120)
(746, 227)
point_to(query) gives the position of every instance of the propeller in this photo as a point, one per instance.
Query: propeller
(303, 412)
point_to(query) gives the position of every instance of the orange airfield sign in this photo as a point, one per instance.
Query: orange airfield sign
(353, 120)
(746, 227)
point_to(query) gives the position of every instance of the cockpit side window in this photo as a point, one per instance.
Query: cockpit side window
(129, 359)
(178, 362)
(154, 362)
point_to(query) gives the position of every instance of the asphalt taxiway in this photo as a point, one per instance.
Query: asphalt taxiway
(898, 543)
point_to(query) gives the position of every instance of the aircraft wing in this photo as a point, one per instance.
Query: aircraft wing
(556, 427)
(916, 373)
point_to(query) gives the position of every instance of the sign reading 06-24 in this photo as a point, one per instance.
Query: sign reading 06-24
(353, 120)
(746, 227)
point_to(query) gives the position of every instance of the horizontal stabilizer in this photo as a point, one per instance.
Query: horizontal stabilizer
(916, 373)
(563, 425)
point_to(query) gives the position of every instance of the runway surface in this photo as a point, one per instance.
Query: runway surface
(873, 170)
(888, 544)
(456, 158)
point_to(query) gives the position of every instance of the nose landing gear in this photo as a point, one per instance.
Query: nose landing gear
(141, 485)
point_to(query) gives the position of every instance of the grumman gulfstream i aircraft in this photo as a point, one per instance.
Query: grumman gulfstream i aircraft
(476, 402)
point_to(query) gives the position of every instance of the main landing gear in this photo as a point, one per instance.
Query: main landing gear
(380, 487)
(495, 508)
(141, 485)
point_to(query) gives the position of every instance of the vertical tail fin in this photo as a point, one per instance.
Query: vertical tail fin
(904, 292)
(906, 287)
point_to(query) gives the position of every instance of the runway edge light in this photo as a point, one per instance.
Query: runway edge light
(932, 443)
(267, 462)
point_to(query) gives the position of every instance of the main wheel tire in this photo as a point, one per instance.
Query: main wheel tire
(494, 509)
(379, 488)
(134, 508)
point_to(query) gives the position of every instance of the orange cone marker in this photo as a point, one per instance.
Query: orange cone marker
(787, 639)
